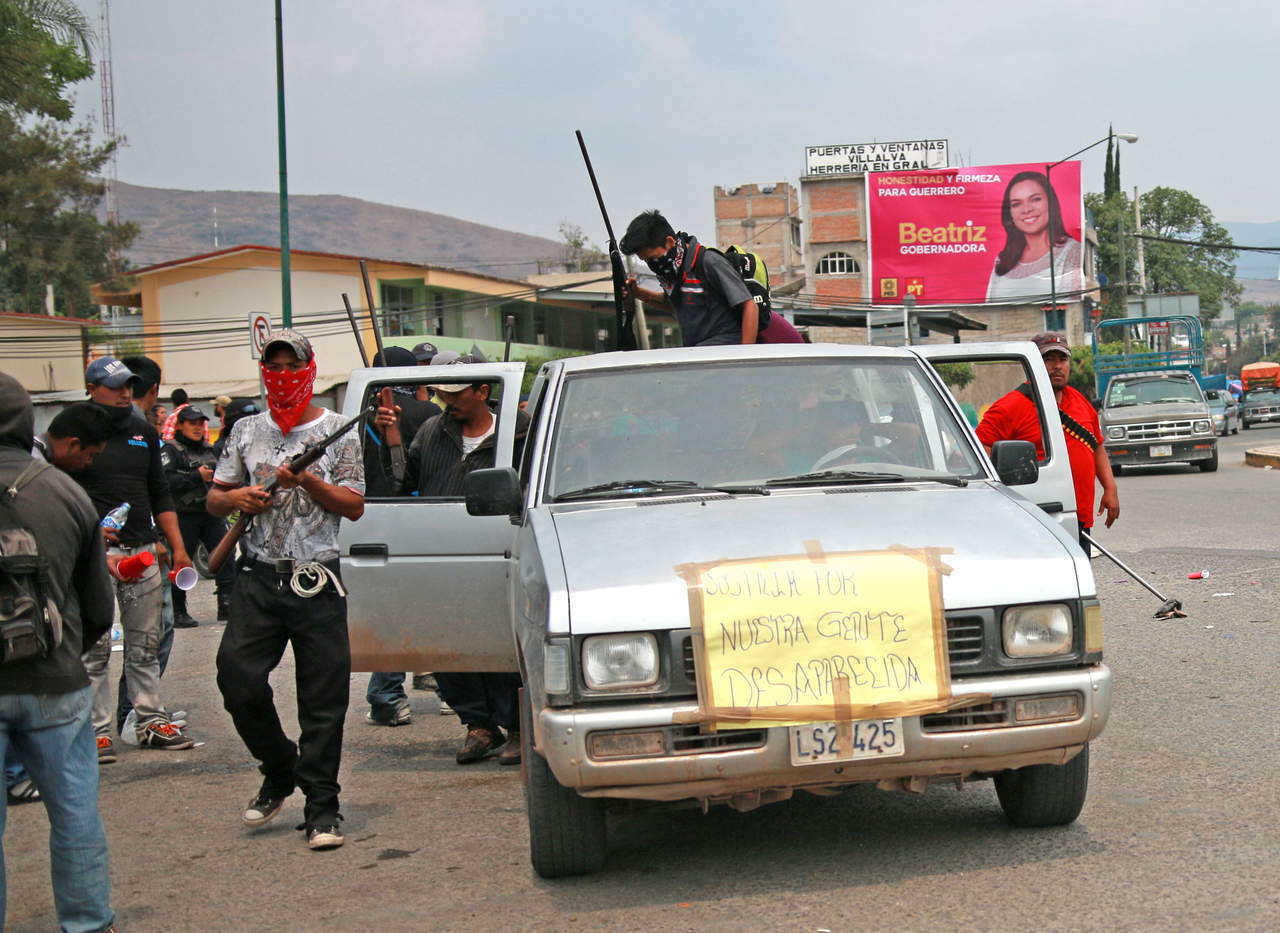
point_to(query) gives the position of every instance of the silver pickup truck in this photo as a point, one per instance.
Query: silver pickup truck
(570, 562)
(1156, 417)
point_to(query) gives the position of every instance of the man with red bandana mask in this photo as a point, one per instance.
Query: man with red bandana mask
(288, 590)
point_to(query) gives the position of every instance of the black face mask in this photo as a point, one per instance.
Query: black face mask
(664, 267)
(116, 413)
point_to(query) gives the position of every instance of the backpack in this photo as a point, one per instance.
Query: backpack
(30, 623)
(755, 277)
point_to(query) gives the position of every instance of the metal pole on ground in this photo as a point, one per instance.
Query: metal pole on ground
(286, 291)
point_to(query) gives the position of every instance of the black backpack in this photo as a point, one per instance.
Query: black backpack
(30, 623)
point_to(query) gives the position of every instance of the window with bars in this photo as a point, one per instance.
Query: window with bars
(837, 264)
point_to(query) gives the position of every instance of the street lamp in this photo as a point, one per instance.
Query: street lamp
(1053, 277)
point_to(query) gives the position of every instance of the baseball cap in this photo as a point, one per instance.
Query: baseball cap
(291, 339)
(394, 356)
(1051, 342)
(110, 372)
(425, 351)
(191, 413)
(457, 360)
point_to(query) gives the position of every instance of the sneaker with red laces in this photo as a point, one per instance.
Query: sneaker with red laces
(480, 744)
(163, 735)
(106, 750)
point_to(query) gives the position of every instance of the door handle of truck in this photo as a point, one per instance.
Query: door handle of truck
(369, 550)
(1050, 507)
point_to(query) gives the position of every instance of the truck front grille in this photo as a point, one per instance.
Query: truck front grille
(688, 740)
(988, 716)
(1158, 430)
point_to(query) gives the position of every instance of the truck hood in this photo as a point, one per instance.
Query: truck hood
(1166, 411)
(620, 557)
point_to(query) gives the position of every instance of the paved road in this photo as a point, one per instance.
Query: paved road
(1179, 832)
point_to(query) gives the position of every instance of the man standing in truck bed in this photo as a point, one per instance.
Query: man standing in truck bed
(1016, 418)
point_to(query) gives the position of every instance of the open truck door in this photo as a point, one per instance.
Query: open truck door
(427, 581)
(994, 370)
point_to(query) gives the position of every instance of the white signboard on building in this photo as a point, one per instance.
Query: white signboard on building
(876, 157)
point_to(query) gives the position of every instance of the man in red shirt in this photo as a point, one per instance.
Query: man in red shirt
(1015, 418)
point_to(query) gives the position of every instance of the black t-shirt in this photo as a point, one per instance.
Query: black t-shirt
(414, 413)
(707, 298)
(129, 470)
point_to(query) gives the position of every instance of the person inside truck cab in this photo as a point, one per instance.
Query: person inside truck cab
(1015, 417)
(442, 453)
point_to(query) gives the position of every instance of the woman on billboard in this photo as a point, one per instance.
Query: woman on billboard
(1032, 218)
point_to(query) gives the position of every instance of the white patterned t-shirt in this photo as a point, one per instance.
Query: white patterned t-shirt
(295, 526)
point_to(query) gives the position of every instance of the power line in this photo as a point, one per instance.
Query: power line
(1205, 244)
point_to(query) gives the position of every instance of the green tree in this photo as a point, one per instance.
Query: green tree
(45, 45)
(580, 254)
(49, 185)
(1208, 271)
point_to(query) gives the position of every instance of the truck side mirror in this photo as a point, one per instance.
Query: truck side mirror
(495, 491)
(1015, 463)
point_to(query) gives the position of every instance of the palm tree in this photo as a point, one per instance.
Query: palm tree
(61, 19)
(44, 46)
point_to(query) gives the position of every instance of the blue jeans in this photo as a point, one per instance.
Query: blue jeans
(53, 736)
(386, 694)
(13, 770)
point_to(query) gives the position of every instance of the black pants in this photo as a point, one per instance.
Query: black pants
(266, 615)
(202, 528)
(1084, 542)
(486, 700)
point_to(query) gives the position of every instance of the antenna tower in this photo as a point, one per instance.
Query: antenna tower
(108, 102)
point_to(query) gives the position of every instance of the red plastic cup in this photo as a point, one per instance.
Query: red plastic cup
(134, 566)
(184, 579)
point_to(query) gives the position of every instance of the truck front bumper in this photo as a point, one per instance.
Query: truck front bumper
(718, 764)
(1128, 453)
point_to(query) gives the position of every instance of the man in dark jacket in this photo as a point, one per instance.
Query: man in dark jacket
(189, 462)
(129, 470)
(443, 452)
(46, 703)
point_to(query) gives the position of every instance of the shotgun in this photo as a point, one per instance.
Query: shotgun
(355, 329)
(310, 454)
(624, 318)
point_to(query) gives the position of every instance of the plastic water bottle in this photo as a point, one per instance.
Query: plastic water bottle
(115, 519)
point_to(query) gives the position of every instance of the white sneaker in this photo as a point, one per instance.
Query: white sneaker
(445, 708)
(129, 731)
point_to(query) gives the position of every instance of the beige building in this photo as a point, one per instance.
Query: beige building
(44, 353)
(195, 312)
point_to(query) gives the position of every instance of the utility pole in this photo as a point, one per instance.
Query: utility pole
(1142, 259)
(286, 292)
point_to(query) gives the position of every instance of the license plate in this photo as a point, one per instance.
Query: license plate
(817, 743)
(1162, 450)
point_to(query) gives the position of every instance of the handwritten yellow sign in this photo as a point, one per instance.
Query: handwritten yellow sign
(818, 637)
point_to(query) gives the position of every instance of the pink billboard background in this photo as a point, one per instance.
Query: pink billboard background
(939, 235)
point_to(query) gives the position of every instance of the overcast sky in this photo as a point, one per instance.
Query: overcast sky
(468, 107)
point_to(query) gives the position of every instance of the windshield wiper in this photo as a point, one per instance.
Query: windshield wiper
(850, 477)
(651, 487)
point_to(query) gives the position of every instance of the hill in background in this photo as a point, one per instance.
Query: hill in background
(177, 223)
(1255, 265)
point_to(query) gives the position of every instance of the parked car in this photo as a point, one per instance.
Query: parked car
(589, 564)
(1225, 411)
(1260, 406)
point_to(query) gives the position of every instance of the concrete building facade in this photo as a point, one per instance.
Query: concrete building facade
(45, 353)
(765, 219)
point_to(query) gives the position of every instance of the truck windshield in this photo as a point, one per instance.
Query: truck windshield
(730, 425)
(1127, 392)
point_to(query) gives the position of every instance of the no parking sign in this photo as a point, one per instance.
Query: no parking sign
(259, 333)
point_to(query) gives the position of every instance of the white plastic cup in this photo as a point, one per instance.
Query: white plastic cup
(184, 579)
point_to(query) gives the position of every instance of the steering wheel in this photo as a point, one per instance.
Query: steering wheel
(845, 455)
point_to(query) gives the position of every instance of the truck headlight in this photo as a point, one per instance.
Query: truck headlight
(1201, 427)
(1037, 631)
(1115, 433)
(610, 662)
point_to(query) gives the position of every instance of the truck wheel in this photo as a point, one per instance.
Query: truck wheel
(1117, 469)
(566, 830)
(1045, 795)
(1245, 425)
(1210, 465)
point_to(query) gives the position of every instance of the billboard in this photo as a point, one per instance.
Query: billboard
(972, 235)
(860, 158)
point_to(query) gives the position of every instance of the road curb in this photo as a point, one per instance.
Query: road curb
(1263, 456)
